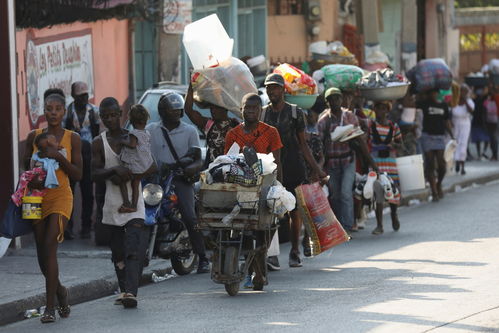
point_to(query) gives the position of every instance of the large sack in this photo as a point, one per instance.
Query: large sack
(342, 76)
(296, 81)
(430, 74)
(320, 222)
(224, 85)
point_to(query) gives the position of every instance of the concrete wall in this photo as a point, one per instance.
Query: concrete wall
(442, 39)
(288, 38)
(110, 47)
(389, 38)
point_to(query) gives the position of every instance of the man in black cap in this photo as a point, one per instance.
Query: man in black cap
(290, 122)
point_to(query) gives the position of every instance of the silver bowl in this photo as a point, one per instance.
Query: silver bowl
(384, 93)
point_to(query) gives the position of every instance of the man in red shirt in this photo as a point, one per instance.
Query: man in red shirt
(265, 139)
(254, 133)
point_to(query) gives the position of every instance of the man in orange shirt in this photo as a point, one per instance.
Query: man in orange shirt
(254, 133)
(265, 139)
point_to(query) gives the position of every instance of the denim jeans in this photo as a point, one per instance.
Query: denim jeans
(341, 189)
(128, 247)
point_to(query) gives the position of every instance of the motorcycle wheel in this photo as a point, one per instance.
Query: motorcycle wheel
(184, 266)
(232, 288)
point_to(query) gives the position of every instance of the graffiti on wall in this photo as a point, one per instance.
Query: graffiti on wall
(176, 15)
(56, 62)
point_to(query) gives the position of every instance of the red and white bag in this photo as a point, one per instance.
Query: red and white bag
(320, 222)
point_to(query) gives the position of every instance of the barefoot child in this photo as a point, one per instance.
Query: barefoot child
(135, 155)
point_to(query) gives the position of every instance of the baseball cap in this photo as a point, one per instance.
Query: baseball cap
(332, 91)
(274, 78)
(80, 88)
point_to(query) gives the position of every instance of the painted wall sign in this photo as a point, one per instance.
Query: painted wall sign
(176, 15)
(57, 62)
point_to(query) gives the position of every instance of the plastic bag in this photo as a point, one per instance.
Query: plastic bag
(224, 85)
(296, 82)
(342, 76)
(279, 200)
(322, 225)
(430, 74)
(268, 165)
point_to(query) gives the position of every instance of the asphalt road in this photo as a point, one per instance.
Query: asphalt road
(438, 273)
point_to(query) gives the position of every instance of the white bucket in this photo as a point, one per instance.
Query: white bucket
(411, 172)
(207, 43)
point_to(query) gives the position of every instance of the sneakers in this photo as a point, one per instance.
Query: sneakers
(203, 266)
(273, 263)
(307, 249)
(248, 282)
(294, 260)
(368, 188)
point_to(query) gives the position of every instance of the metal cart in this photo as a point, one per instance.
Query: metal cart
(233, 211)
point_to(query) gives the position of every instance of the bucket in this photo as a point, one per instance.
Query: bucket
(411, 172)
(207, 43)
(32, 208)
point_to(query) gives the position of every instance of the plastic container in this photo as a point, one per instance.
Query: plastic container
(411, 172)
(32, 208)
(384, 93)
(207, 43)
(302, 101)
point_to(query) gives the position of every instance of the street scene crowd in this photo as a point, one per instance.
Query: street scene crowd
(344, 130)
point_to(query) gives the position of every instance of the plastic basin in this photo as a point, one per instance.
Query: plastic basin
(302, 101)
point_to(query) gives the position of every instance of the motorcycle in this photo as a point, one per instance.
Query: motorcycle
(169, 237)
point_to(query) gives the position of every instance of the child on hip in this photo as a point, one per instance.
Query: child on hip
(136, 156)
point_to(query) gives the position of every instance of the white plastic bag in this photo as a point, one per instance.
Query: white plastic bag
(268, 164)
(274, 246)
(224, 85)
(279, 200)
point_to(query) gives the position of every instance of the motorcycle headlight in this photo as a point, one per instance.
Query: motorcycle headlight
(152, 193)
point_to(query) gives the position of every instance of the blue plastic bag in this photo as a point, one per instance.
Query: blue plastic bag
(12, 224)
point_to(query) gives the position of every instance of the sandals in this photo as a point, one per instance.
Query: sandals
(119, 300)
(377, 231)
(129, 301)
(48, 316)
(64, 309)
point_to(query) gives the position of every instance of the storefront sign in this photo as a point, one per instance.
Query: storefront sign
(176, 15)
(57, 62)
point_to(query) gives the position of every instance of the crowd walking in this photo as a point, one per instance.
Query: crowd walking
(346, 142)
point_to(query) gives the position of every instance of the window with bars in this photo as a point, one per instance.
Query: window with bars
(286, 7)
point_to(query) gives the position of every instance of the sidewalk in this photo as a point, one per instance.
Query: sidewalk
(88, 272)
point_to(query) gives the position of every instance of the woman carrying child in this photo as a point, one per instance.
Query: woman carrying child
(57, 202)
(135, 155)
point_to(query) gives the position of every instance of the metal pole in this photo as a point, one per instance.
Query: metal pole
(13, 98)
(234, 28)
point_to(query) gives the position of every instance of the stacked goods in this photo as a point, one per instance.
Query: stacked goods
(296, 82)
(320, 222)
(218, 79)
(344, 77)
(224, 85)
(301, 88)
(383, 84)
(430, 74)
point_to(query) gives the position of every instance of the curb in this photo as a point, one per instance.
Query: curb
(14, 311)
(425, 194)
